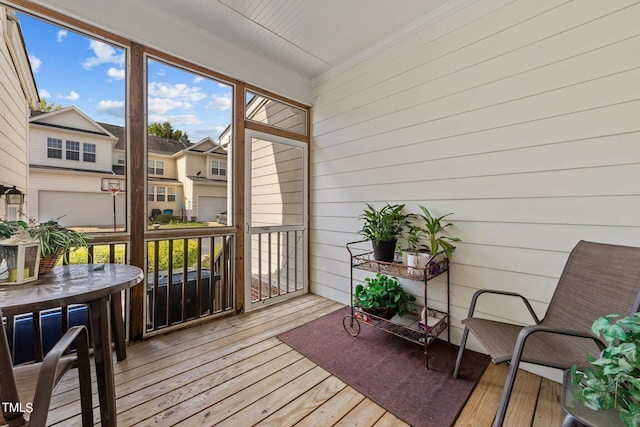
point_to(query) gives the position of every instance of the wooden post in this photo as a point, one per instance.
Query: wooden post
(239, 194)
(137, 191)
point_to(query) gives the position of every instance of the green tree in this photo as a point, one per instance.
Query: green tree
(165, 130)
(48, 106)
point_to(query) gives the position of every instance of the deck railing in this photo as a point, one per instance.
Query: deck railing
(188, 278)
(30, 340)
(208, 289)
(277, 262)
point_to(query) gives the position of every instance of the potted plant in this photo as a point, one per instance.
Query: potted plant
(613, 380)
(9, 228)
(383, 227)
(55, 241)
(434, 227)
(383, 297)
(417, 254)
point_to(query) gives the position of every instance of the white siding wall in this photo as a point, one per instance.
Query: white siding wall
(170, 168)
(14, 111)
(38, 147)
(520, 117)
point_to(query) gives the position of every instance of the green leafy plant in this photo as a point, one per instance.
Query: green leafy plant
(9, 228)
(613, 380)
(384, 225)
(54, 237)
(434, 227)
(383, 292)
(414, 237)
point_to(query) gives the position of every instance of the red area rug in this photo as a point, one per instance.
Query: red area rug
(390, 370)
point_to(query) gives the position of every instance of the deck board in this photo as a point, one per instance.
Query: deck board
(548, 412)
(524, 397)
(235, 371)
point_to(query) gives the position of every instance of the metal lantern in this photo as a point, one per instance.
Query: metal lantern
(19, 261)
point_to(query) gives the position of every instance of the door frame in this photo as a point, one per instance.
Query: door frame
(248, 229)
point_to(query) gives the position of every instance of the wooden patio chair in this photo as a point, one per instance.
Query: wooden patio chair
(28, 388)
(598, 279)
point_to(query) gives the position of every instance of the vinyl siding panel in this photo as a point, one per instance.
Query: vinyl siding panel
(39, 154)
(13, 118)
(519, 117)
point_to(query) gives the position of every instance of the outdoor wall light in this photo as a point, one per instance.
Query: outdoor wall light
(12, 195)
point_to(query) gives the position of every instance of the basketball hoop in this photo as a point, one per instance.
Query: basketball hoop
(113, 185)
(114, 188)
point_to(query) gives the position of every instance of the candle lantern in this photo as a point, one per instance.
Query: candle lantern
(19, 261)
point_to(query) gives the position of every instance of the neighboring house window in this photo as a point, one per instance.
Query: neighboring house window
(88, 152)
(160, 194)
(54, 148)
(73, 150)
(156, 167)
(218, 168)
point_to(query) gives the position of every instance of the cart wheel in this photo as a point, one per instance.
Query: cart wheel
(351, 325)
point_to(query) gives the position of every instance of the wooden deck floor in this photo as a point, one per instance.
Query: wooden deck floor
(236, 372)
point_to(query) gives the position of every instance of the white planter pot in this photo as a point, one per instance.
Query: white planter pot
(417, 261)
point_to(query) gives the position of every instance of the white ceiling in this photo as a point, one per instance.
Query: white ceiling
(307, 36)
(284, 46)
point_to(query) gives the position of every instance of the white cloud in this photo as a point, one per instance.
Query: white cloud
(176, 91)
(61, 35)
(196, 135)
(160, 72)
(111, 108)
(162, 105)
(72, 96)
(116, 73)
(35, 63)
(220, 103)
(198, 79)
(43, 93)
(104, 54)
(176, 120)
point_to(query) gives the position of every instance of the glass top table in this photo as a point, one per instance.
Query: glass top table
(579, 415)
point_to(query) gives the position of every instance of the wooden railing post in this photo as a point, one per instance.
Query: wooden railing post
(137, 185)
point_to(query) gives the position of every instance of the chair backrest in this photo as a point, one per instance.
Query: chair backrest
(8, 388)
(598, 279)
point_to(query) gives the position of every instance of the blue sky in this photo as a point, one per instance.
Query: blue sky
(71, 69)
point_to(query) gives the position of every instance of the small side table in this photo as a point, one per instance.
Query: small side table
(578, 415)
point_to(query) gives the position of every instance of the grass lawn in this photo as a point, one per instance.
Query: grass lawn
(173, 225)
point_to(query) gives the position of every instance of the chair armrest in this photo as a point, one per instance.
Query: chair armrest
(479, 292)
(50, 372)
(530, 330)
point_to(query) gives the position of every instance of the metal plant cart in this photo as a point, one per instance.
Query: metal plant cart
(409, 326)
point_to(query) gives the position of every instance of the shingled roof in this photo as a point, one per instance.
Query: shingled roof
(156, 144)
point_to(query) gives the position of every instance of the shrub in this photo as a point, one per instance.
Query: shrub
(178, 254)
(101, 255)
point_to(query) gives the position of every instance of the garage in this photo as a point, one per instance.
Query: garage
(81, 209)
(210, 206)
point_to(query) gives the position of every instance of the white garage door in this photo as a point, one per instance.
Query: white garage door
(80, 209)
(209, 207)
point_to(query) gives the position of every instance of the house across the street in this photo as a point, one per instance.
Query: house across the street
(75, 161)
